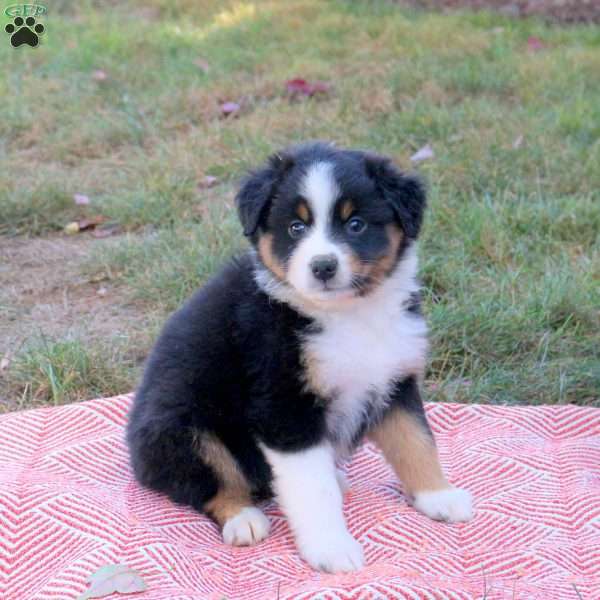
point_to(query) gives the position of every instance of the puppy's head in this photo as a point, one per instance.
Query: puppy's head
(331, 224)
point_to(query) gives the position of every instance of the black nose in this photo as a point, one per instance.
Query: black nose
(324, 266)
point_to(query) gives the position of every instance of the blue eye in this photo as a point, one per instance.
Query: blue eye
(356, 226)
(296, 229)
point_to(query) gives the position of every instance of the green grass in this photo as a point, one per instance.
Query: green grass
(54, 372)
(511, 247)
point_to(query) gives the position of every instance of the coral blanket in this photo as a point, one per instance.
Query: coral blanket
(69, 504)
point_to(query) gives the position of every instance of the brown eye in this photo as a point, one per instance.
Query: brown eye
(296, 229)
(356, 225)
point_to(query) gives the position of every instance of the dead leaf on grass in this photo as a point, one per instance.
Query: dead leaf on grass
(90, 222)
(99, 75)
(84, 224)
(424, 153)
(535, 44)
(229, 108)
(106, 230)
(302, 87)
(4, 362)
(207, 181)
(81, 199)
(113, 579)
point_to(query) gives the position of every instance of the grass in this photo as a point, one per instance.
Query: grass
(54, 372)
(511, 248)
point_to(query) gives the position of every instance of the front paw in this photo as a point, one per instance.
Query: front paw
(450, 504)
(333, 554)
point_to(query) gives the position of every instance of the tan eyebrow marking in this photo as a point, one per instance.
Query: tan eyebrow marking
(303, 212)
(346, 209)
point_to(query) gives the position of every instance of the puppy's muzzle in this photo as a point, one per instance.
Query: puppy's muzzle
(324, 267)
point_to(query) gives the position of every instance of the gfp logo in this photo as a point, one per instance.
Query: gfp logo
(25, 28)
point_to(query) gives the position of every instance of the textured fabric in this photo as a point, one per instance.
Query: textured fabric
(68, 505)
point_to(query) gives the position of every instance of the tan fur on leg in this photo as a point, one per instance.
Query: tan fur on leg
(234, 490)
(410, 448)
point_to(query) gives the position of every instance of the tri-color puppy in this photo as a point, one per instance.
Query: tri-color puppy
(285, 359)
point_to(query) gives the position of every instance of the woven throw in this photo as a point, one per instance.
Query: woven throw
(69, 505)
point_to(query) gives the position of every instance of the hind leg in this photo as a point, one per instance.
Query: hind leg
(194, 467)
(242, 523)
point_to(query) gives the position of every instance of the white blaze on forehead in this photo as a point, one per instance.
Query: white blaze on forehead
(321, 190)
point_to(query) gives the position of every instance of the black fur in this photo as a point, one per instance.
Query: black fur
(269, 197)
(229, 361)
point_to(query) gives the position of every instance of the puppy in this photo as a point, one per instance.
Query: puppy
(293, 353)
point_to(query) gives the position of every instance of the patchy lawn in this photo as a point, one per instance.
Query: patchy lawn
(567, 11)
(125, 105)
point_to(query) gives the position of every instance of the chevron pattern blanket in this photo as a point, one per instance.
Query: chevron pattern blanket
(69, 505)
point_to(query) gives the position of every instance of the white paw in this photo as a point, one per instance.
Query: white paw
(333, 554)
(248, 527)
(451, 504)
(342, 481)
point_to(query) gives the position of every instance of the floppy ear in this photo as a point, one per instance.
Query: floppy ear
(257, 191)
(404, 193)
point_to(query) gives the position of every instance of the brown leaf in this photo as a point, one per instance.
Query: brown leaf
(90, 223)
(207, 181)
(106, 230)
(111, 579)
(302, 87)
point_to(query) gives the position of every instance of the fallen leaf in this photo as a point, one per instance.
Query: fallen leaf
(99, 75)
(424, 153)
(106, 230)
(90, 223)
(302, 87)
(81, 199)
(535, 44)
(207, 181)
(202, 65)
(229, 108)
(518, 142)
(104, 276)
(111, 579)
(72, 228)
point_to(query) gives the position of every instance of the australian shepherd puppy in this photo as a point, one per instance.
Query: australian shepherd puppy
(291, 354)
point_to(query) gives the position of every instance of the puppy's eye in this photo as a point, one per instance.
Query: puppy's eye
(356, 226)
(296, 229)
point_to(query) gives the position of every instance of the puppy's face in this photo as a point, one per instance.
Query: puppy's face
(331, 224)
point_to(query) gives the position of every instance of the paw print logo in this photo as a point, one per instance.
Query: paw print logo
(24, 31)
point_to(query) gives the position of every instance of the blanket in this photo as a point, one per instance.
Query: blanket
(70, 505)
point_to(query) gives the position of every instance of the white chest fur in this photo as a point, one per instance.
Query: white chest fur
(359, 353)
